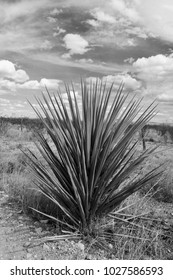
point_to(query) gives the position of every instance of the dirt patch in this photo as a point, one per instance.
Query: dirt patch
(18, 234)
(22, 238)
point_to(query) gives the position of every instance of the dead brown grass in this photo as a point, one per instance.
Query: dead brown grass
(118, 234)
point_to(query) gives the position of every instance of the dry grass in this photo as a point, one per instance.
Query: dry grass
(163, 190)
(139, 239)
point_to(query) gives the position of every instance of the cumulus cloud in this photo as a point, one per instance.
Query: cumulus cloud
(29, 85)
(32, 84)
(154, 68)
(7, 85)
(7, 70)
(20, 76)
(50, 83)
(76, 44)
(130, 83)
(12, 79)
(12, 86)
(156, 72)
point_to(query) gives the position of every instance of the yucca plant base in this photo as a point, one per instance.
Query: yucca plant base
(91, 152)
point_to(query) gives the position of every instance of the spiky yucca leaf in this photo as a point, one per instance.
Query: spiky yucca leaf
(90, 155)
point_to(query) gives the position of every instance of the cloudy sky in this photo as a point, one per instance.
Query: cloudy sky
(46, 42)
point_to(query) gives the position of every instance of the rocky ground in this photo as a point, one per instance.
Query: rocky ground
(23, 238)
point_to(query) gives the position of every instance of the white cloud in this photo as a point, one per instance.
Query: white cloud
(130, 83)
(154, 68)
(102, 16)
(12, 86)
(7, 70)
(126, 8)
(156, 72)
(153, 15)
(32, 84)
(12, 79)
(117, 23)
(7, 85)
(50, 83)
(159, 22)
(20, 76)
(76, 44)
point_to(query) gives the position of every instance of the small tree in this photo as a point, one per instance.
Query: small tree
(4, 125)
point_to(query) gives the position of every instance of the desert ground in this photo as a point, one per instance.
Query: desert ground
(25, 234)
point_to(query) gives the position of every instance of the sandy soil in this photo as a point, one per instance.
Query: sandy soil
(23, 238)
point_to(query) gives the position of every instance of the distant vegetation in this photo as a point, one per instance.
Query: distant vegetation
(163, 130)
(21, 122)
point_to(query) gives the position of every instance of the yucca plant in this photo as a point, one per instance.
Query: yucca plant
(90, 154)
